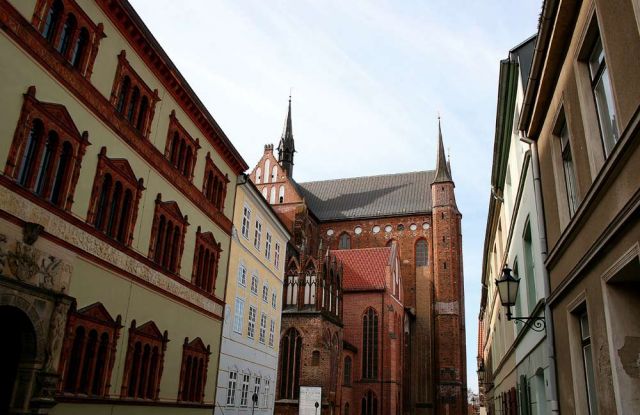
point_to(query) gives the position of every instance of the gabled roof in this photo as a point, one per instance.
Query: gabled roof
(370, 196)
(363, 269)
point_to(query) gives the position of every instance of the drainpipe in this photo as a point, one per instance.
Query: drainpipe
(381, 362)
(537, 186)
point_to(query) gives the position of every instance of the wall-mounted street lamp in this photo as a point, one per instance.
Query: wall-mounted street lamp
(508, 292)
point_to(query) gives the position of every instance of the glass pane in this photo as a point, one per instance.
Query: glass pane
(584, 326)
(591, 386)
(596, 59)
(569, 176)
(606, 111)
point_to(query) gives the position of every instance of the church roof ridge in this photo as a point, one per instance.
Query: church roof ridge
(366, 177)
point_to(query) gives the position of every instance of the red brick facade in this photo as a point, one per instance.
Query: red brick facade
(421, 343)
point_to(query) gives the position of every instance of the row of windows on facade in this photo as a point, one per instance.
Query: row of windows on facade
(246, 399)
(603, 98)
(421, 251)
(45, 158)
(133, 100)
(313, 288)
(291, 350)
(388, 228)
(89, 353)
(257, 237)
(255, 282)
(238, 319)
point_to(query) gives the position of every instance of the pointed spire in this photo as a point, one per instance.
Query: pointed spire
(286, 147)
(442, 169)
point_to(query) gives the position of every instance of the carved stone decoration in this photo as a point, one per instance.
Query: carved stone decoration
(32, 266)
(31, 232)
(56, 336)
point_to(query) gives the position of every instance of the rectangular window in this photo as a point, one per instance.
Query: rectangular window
(265, 293)
(603, 96)
(267, 246)
(263, 328)
(231, 388)
(238, 315)
(256, 388)
(265, 403)
(246, 221)
(276, 256)
(568, 169)
(529, 268)
(254, 284)
(274, 299)
(272, 331)
(242, 275)
(251, 325)
(257, 236)
(245, 390)
(585, 337)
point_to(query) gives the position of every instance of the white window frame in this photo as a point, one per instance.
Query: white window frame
(245, 389)
(267, 385)
(231, 388)
(276, 256)
(257, 235)
(274, 299)
(263, 328)
(242, 275)
(255, 281)
(267, 246)
(251, 322)
(265, 293)
(256, 388)
(238, 315)
(246, 221)
(272, 332)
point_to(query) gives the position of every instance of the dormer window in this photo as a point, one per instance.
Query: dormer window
(68, 29)
(132, 98)
(181, 149)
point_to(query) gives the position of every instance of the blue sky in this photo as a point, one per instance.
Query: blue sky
(368, 79)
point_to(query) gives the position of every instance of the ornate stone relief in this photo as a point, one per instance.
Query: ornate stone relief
(30, 212)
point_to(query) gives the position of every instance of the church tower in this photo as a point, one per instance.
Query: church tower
(286, 147)
(450, 373)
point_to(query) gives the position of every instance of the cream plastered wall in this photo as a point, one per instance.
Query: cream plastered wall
(243, 251)
(18, 79)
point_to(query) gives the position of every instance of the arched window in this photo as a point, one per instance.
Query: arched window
(370, 344)
(274, 174)
(258, 175)
(101, 208)
(61, 173)
(315, 358)
(143, 362)
(265, 192)
(205, 262)
(52, 21)
(186, 170)
(122, 94)
(272, 197)
(133, 103)
(421, 253)
(27, 166)
(67, 32)
(142, 113)
(347, 409)
(44, 170)
(281, 195)
(114, 209)
(195, 359)
(310, 286)
(267, 164)
(79, 48)
(369, 404)
(345, 241)
(290, 353)
(346, 372)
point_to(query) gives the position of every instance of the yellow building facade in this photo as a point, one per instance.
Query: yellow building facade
(251, 331)
(117, 190)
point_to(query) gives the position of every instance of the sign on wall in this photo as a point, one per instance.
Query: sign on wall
(309, 396)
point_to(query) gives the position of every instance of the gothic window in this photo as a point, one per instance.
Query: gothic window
(347, 371)
(370, 344)
(181, 149)
(421, 253)
(369, 404)
(215, 184)
(291, 286)
(114, 199)
(144, 361)
(68, 29)
(167, 235)
(274, 174)
(281, 195)
(205, 261)
(345, 241)
(46, 152)
(193, 373)
(258, 175)
(290, 353)
(310, 285)
(267, 164)
(132, 98)
(88, 352)
(272, 196)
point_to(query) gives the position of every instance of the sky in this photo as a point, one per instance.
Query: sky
(368, 80)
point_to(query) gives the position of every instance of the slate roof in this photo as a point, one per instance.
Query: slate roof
(370, 196)
(363, 269)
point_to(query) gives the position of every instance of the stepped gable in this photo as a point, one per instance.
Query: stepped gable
(371, 196)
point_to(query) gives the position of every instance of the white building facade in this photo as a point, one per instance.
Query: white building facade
(251, 331)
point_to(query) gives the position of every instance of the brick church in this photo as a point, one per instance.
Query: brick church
(373, 301)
